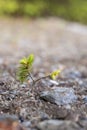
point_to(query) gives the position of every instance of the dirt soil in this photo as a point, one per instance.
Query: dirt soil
(55, 44)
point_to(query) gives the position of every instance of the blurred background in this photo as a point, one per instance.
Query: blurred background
(54, 27)
(74, 10)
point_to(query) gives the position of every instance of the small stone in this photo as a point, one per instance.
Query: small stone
(54, 82)
(59, 96)
(23, 85)
(58, 125)
(27, 123)
(23, 112)
(43, 116)
(85, 99)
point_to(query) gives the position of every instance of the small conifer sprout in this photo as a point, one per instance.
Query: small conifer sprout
(54, 74)
(25, 68)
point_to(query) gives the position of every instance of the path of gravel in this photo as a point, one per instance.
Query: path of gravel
(56, 44)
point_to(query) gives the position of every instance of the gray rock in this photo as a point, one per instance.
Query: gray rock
(8, 117)
(59, 96)
(58, 125)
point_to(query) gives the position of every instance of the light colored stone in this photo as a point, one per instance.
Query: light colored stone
(59, 95)
(58, 125)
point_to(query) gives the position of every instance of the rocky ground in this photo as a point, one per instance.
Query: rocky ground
(49, 105)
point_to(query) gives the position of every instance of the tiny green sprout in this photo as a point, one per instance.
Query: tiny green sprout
(25, 68)
(54, 74)
(23, 61)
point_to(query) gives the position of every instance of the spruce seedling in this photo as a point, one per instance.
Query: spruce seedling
(25, 68)
(54, 74)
